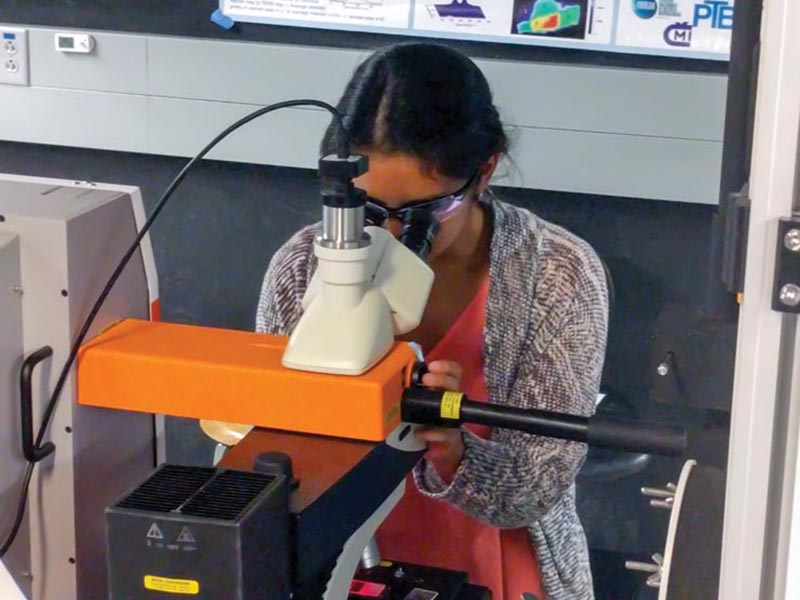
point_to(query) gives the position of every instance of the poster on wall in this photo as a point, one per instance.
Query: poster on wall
(685, 28)
(365, 13)
(676, 25)
(526, 20)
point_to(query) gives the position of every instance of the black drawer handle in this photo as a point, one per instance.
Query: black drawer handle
(32, 452)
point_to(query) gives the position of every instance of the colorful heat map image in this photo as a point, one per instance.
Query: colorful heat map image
(552, 18)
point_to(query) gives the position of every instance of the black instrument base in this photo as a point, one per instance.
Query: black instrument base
(404, 581)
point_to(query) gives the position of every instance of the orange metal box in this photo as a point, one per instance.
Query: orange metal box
(236, 376)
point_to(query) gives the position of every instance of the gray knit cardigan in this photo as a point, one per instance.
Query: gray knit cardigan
(544, 343)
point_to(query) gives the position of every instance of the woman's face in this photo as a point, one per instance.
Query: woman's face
(399, 179)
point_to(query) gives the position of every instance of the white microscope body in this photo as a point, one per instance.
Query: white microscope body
(368, 287)
(357, 301)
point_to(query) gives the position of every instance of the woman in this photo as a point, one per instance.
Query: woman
(517, 316)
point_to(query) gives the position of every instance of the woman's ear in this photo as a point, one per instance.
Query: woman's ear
(486, 172)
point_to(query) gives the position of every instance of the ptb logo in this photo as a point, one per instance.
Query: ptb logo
(718, 13)
(679, 35)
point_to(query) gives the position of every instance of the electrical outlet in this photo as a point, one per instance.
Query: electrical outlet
(14, 56)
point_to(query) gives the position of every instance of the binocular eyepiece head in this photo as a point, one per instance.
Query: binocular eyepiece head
(420, 227)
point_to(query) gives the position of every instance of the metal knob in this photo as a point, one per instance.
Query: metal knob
(792, 240)
(790, 295)
(666, 365)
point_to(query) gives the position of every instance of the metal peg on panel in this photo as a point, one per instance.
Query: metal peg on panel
(654, 581)
(658, 493)
(643, 567)
(654, 569)
(663, 504)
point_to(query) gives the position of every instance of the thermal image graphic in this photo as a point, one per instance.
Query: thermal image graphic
(548, 16)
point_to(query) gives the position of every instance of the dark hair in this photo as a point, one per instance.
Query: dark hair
(426, 100)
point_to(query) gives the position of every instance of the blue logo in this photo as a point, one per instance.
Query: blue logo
(717, 13)
(645, 9)
(679, 35)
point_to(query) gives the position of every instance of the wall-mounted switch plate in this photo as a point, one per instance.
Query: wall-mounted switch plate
(14, 56)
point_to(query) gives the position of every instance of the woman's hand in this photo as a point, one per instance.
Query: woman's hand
(445, 445)
(443, 375)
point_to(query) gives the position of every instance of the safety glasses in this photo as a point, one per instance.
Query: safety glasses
(442, 208)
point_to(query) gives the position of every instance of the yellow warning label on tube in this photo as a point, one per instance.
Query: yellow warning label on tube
(451, 405)
(189, 587)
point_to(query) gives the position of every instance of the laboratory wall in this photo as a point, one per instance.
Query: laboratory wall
(603, 128)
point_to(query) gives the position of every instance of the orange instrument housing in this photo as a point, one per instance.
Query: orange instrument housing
(236, 376)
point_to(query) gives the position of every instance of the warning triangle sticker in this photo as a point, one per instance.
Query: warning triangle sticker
(154, 533)
(186, 536)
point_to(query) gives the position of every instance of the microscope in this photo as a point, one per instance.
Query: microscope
(368, 287)
(292, 509)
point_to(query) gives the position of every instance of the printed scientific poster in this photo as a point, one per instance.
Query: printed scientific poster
(588, 20)
(369, 13)
(676, 25)
(682, 28)
(585, 20)
(488, 17)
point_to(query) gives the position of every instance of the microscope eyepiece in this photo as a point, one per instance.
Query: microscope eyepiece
(420, 227)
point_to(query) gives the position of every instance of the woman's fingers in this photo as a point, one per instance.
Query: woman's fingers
(442, 382)
(445, 448)
(438, 434)
(444, 375)
(448, 367)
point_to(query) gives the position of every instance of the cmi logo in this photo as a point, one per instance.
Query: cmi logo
(645, 9)
(679, 35)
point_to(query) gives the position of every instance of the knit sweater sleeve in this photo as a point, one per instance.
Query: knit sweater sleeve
(515, 478)
(285, 282)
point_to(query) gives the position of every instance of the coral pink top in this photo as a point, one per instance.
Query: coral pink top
(432, 532)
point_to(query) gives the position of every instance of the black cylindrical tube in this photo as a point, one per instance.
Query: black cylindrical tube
(451, 409)
(422, 405)
(538, 422)
(636, 436)
(419, 229)
(425, 406)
